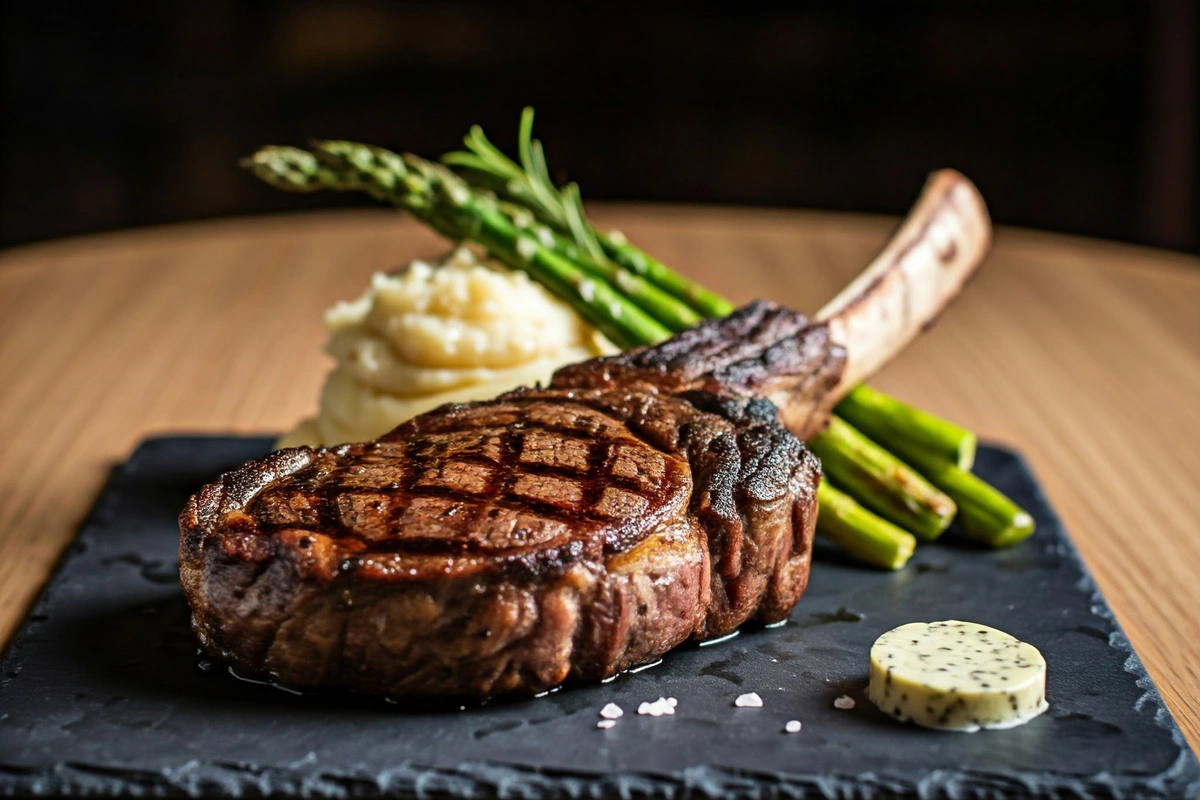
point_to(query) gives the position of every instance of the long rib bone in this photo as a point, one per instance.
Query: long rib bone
(922, 268)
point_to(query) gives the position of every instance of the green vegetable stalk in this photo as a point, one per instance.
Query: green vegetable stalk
(441, 199)
(889, 421)
(984, 512)
(859, 532)
(881, 482)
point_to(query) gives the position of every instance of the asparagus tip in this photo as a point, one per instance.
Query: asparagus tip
(904, 553)
(966, 451)
(1020, 528)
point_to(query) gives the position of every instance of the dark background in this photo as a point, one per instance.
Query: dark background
(1071, 116)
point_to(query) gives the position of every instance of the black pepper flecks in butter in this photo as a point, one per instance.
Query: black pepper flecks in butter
(959, 676)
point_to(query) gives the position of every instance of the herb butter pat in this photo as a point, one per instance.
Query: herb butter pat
(957, 676)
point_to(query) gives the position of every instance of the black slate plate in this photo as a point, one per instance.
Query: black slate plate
(104, 693)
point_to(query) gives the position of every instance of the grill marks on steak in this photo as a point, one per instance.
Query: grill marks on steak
(509, 484)
(577, 530)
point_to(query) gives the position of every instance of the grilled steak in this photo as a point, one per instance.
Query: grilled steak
(571, 531)
(576, 530)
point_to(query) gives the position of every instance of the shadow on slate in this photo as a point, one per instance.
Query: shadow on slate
(104, 692)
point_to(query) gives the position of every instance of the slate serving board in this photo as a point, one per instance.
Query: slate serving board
(103, 690)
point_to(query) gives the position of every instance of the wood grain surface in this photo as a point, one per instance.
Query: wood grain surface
(1084, 355)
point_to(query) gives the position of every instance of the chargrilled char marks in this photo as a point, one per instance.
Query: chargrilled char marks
(505, 546)
(519, 484)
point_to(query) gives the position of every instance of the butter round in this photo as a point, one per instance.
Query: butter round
(957, 676)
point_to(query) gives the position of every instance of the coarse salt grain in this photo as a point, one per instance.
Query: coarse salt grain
(660, 707)
(611, 711)
(793, 726)
(845, 702)
(605, 724)
(749, 700)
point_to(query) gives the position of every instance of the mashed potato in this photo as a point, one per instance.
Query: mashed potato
(460, 330)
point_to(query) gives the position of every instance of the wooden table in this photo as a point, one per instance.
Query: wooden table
(1085, 355)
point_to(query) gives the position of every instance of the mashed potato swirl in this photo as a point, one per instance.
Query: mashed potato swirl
(456, 331)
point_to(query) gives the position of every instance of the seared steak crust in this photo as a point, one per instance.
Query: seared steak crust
(572, 531)
(761, 350)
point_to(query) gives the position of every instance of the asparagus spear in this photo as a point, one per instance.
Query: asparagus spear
(441, 199)
(667, 309)
(881, 482)
(889, 421)
(638, 261)
(984, 512)
(859, 532)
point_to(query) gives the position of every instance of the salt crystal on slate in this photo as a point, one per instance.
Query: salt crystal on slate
(605, 724)
(793, 726)
(845, 702)
(658, 708)
(611, 711)
(749, 700)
